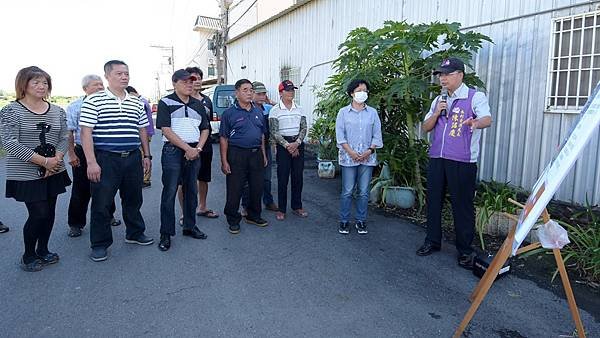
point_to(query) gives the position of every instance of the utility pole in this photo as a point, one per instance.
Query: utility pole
(225, 39)
(171, 58)
(157, 78)
(221, 42)
(171, 62)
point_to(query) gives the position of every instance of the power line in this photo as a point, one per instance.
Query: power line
(236, 21)
(236, 4)
(198, 52)
(194, 53)
(172, 19)
(231, 68)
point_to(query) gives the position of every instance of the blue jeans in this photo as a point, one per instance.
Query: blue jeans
(177, 170)
(359, 176)
(267, 197)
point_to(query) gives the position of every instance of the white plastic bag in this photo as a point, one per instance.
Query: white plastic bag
(553, 236)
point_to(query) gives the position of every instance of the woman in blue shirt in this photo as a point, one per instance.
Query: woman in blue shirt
(358, 134)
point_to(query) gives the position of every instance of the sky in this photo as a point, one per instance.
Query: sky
(72, 38)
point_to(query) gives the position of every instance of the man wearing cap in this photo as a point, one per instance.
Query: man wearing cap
(184, 125)
(205, 173)
(260, 100)
(455, 125)
(113, 126)
(243, 156)
(288, 128)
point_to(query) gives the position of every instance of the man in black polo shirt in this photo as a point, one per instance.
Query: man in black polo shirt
(182, 120)
(243, 156)
(113, 126)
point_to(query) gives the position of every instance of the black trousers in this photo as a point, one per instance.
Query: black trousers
(38, 227)
(126, 175)
(81, 193)
(246, 165)
(286, 166)
(459, 178)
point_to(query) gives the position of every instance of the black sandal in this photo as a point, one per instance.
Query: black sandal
(3, 228)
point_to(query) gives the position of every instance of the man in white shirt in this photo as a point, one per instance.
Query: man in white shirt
(287, 123)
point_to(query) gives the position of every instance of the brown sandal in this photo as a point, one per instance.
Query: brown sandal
(208, 214)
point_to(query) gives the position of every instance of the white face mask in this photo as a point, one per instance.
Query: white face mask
(361, 97)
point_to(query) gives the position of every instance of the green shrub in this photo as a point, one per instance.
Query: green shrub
(492, 197)
(584, 248)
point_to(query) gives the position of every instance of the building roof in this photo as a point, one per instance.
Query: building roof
(299, 3)
(207, 23)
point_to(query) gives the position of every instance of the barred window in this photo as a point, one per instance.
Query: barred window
(292, 74)
(575, 61)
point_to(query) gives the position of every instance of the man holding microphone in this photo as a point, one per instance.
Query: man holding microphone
(455, 119)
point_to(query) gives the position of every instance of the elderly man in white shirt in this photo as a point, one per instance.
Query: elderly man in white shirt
(287, 123)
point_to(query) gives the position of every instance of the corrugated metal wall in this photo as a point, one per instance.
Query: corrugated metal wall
(522, 140)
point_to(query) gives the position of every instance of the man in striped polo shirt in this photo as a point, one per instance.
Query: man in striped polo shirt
(184, 125)
(113, 125)
(80, 191)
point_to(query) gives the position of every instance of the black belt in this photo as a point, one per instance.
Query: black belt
(290, 138)
(119, 153)
(253, 150)
(193, 145)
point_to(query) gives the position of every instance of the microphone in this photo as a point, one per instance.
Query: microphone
(444, 98)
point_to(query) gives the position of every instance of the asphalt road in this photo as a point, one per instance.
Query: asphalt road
(297, 278)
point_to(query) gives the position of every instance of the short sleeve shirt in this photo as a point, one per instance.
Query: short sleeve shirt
(185, 119)
(243, 128)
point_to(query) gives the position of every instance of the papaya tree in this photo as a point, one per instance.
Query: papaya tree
(397, 60)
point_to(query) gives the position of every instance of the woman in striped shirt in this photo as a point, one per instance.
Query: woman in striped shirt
(34, 135)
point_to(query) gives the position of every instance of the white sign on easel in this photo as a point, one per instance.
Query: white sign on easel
(559, 167)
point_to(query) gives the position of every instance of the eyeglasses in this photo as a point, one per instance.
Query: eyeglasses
(366, 91)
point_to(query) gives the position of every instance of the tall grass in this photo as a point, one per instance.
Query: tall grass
(492, 197)
(584, 249)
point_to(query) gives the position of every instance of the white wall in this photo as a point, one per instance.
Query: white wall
(261, 11)
(523, 138)
(268, 8)
(203, 55)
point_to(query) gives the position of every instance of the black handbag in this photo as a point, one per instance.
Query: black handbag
(44, 149)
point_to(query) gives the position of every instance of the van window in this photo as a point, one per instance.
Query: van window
(225, 98)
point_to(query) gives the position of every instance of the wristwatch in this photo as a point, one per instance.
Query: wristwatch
(148, 157)
(372, 150)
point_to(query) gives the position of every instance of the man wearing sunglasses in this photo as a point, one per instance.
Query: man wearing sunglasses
(184, 125)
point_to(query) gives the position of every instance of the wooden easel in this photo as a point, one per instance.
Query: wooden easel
(501, 257)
